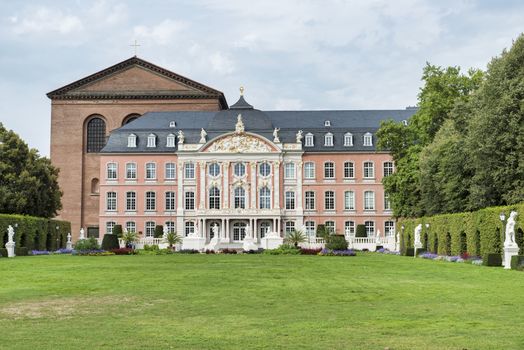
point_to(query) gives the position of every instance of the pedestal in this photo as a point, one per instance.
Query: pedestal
(69, 245)
(417, 247)
(249, 244)
(509, 251)
(10, 246)
(214, 244)
(196, 243)
(273, 241)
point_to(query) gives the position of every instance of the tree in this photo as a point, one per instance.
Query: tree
(28, 182)
(129, 237)
(159, 231)
(173, 238)
(295, 237)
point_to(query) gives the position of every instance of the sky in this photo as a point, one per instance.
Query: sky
(288, 54)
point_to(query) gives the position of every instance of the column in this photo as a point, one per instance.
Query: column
(225, 190)
(276, 186)
(227, 231)
(274, 228)
(223, 229)
(255, 230)
(253, 185)
(202, 185)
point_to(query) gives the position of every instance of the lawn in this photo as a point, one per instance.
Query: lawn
(371, 301)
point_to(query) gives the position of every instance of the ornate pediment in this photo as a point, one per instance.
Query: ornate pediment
(239, 143)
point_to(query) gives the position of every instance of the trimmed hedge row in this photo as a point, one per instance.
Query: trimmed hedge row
(35, 233)
(477, 233)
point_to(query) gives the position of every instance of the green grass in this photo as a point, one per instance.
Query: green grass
(370, 301)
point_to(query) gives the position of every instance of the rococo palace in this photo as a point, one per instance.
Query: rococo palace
(140, 146)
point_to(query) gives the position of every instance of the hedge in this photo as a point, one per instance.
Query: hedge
(517, 262)
(477, 233)
(35, 233)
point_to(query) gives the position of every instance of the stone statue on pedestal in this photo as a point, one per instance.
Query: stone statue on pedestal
(10, 233)
(275, 135)
(82, 233)
(215, 230)
(10, 245)
(510, 230)
(299, 136)
(181, 137)
(239, 126)
(418, 230)
(203, 135)
(165, 232)
(69, 244)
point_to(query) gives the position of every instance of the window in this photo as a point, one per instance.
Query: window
(348, 139)
(327, 123)
(150, 229)
(171, 227)
(240, 198)
(189, 228)
(349, 200)
(368, 139)
(389, 229)
(369, 200)
(239, 169)
(309, 140)
(349, 170)
(387, 203)
(388, 168)
(111, 201)
(349, 228)
(265, 226)
(111, 173)
(130, 226)
(96, 135)
(150, 201)
(265, 198)
(170, 171)
(131, 141)
(289, 171)
(310, 228)
(290, 200)
(110, 225)
(150, 171)
(170, 201)
(369, 170)
(170, 140)
(131, 201)
(265, 169)
(239, 231)
(329, 170)
(190, 200)
(330, 226)
(131, 171)
(151, 140)
(310, 200)
(309, 170)
(329, 200)
(328, 140)
(370, 228)
(189, 170)
(172, 124)
(290, 226)
(214, 169)
(214, 198)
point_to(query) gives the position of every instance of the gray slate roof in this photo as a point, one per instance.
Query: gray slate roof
(216, 123)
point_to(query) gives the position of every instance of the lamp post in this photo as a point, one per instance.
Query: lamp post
(427, 237)
(402, 242)
(502, 218)
(57, 240)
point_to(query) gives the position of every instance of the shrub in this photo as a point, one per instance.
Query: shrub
(517, 262)
(117, 231)
(3, 252)
(123, 251)
(188, 251)
(336, 242)
(129, 237)
(228, 251)
(410, 252)
(361, 231)
(421, 251)
(305, 251)
(151, 248)
(21, 251)
(492, 259)
(87, 244)
(322, 231)
(110, 242)
(159, 231)
(284, 249)
(252, 251)
(210, 251)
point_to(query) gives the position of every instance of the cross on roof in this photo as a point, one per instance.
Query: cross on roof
(135, 46)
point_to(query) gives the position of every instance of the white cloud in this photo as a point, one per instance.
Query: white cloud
(221, 64)
(163, 33)
(42, 20)
(287, 104)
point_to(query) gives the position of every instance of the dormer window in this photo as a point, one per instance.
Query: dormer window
(309, 140)
(151, 140)
(348, 139)
(328, 140)
(131, 140)
(368, 139)
(327, 123)
(172, 124)
(170, 140)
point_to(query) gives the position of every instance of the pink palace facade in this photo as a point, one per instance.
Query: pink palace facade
(241, 169)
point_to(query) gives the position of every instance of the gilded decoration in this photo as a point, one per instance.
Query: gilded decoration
(239, 143)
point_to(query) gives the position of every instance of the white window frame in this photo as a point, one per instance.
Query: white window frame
(239, 169)
(189, 170)
(264, 169)
(310, 141)
(349, 200)
(309, 170)
(150, 168)
(239, 198)
(214, 198)
(290, 200)
(387, 168)
(327, 123)
(387, 202)
(368, 171)
(149, 229)
(171, 226)
(389, 228)
(131, 226)
(151, 141)
(112, 171)
(111, 203)
(110, 225)
(310, 200)
(325, 170)
(370, 228)
(150, 198)
(264, 196)
(171, 141)
(289, 171)
(349, 170)
(130, 201)
(348, 139)
(189, 228)
(170, 200)
(189, 200)
(131, 141)
(131, 168)
(368, 139)
(329, 200)
(310, 228)
(369, 200)
(328, 140)
(289, 226)
(214, 169)
(330, 228)
(349, 228)
(170, 171)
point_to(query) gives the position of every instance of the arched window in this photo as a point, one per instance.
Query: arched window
(151, 140)
(265, 198)
(239, 231)
(309, 170)
(170, 140)
(214, 198)
(309, 140)
(131, 141)
(369, 170)
(348, 139)
(328, 140)
(368, 139)
(349, 170)
(240, 198)
(131, 117)
(329, 170)
(369, 200)
(96, 135)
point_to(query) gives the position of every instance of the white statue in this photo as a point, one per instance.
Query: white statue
(82, 233)
(69, 244)
(69, 237)
(239, 126)
(165, 230)
(275, 135)
(215, 231)
(418, 230)
(299, 136)
(10, 233)
(248, 232)
(510, 229)
(181, 137)
(203, 135)
(377, 238)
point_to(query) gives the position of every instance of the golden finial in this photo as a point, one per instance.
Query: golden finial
(241, 91)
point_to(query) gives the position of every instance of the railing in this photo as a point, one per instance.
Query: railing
(141, 242)
(314, 243)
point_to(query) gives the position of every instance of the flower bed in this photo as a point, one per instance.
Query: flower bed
(47, 252)
(454, 258)
(92, 252)
(305, 251)
(329, 252)
(387, 251)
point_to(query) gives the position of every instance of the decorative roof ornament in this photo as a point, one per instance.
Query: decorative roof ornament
(203, 135)
(181, 137)
(239, 126)
(241, 91)
(275, 135)
(299, 136)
